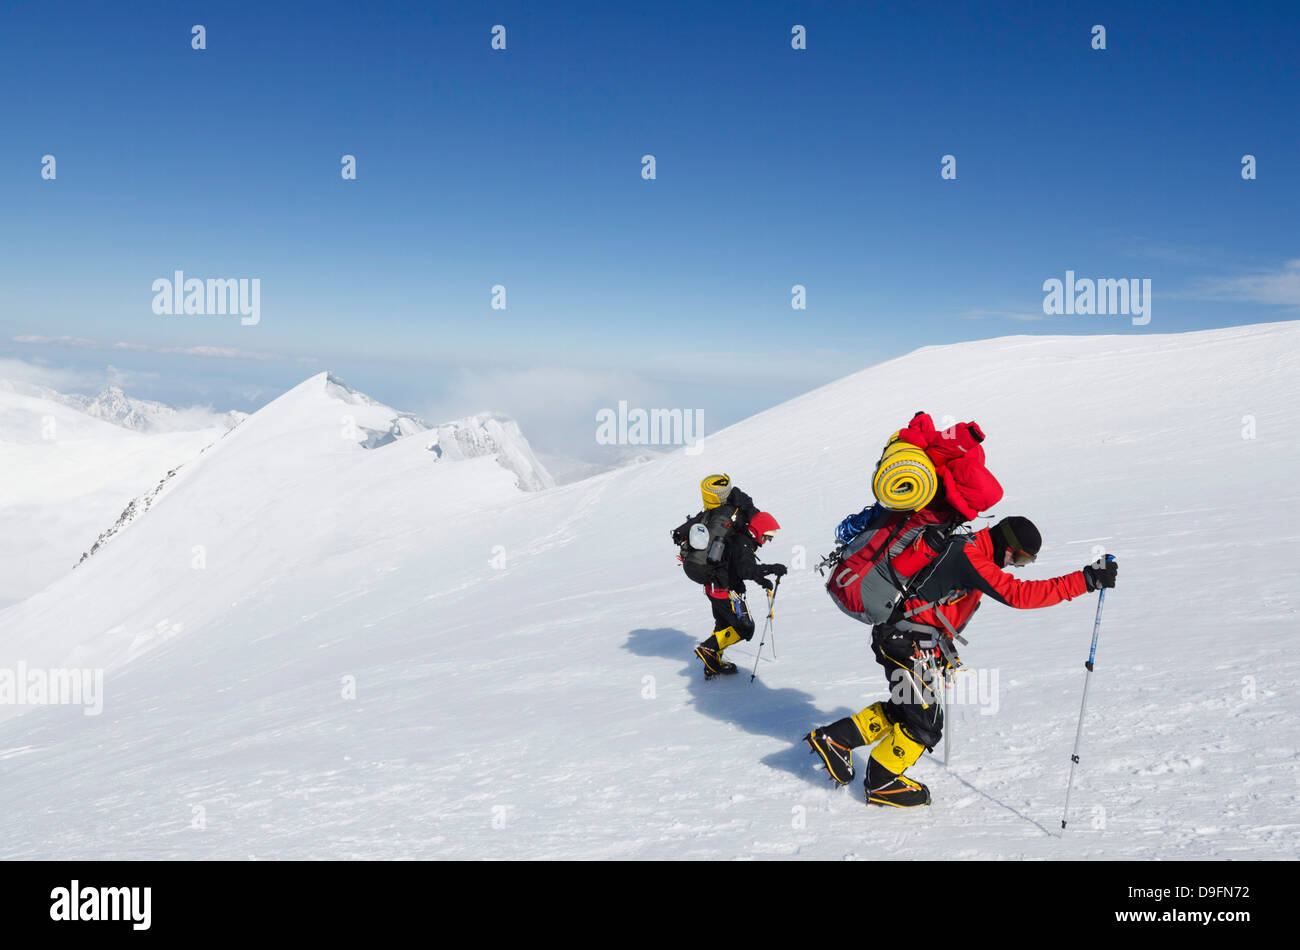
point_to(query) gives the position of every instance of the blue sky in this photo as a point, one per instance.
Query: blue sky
(522, 168)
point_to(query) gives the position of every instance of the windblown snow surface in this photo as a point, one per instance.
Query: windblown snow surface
(524, 684)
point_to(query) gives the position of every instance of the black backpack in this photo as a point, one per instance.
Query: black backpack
(703, 553)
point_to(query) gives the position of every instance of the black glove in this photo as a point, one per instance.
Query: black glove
(776, 570)
(764, 583)
(1101, 573)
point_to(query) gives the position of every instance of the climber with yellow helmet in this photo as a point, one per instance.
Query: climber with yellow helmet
(717, 549)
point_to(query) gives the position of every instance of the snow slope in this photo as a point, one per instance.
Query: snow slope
(64, 475)
(521, 666)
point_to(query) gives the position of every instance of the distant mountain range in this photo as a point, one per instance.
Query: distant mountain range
(140, 415)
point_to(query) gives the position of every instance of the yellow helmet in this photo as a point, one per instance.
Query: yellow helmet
(715, 489)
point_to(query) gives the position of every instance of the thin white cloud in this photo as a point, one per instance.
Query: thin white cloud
(216, 352)
(1141, 248)
(782, 362)
(60, 340)
(24, 373)
(1279, 287)
(559, 390)
(1020, 315)
(219, 352)
(64, 380)
(128, 379)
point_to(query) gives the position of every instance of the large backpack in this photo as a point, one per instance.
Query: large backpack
(918, 456)
(870, 574)
(703, 553)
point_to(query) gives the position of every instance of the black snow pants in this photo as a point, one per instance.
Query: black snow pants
(731, 612)
(913, 697)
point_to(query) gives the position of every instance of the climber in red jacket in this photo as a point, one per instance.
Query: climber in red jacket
(916, 642)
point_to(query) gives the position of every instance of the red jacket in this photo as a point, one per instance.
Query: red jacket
(963, 572)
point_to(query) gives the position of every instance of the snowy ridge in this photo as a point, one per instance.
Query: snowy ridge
(357, 614)
(65, 475)
(134, 509)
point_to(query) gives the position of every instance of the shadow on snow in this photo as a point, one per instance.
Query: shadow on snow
(780, 713)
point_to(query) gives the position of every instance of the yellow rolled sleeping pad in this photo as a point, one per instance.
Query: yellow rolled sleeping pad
(905, 479)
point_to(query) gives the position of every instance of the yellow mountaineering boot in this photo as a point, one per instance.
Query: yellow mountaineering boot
(835, 743)
(885, 783)
(710, 653)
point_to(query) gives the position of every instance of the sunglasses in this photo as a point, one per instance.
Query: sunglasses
(1019, 556)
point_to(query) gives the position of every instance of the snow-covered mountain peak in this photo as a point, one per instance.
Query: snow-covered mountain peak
(325, 403)
(320, 424)
(336, 388)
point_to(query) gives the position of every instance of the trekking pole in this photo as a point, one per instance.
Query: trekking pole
(937, 678)
(947, 722)
(1092, 655)
(771, 599)
(771, 620)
